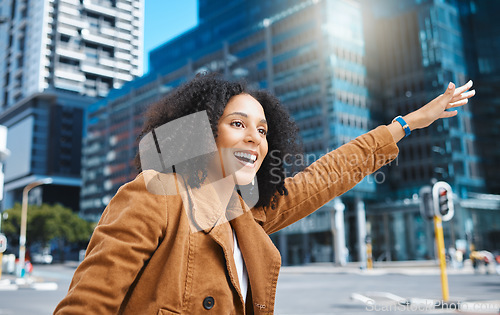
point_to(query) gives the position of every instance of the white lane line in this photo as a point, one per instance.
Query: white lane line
(45, 286)
(362, 298)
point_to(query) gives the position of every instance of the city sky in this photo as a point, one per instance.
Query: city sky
(165, 19)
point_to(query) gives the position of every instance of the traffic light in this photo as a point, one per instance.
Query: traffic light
(426, 204)
(443, 200)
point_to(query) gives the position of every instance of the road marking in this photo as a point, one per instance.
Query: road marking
(389, 296)
(45, 286)
(7, 285)
(362, 298)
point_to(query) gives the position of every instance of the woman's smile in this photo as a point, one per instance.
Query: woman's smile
(247, 158)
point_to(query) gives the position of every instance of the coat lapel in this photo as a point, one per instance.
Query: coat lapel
(222, 235)
(207, 214)
(262, 259)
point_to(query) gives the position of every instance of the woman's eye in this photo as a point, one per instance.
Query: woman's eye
(237, 124)
(263, 131)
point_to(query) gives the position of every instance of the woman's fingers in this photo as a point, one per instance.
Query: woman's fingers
(462, 96)
(448, 114)
(450, 92)
(460, 92)
(458, 103)
(463, 88)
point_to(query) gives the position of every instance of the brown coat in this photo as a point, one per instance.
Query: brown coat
(144, 259)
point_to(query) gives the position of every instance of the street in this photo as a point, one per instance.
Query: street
(37, 301)
(329, 290)
(313, 289)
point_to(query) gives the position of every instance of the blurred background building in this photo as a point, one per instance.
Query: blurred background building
(415, 49)
(58, 57)
(481, 34)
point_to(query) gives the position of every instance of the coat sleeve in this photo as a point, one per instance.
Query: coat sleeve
(128, 233)
(329, 177)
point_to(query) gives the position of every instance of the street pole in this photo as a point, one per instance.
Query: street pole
(4, 154)
(3, 247)
(24, 219)
(442, 197)
(438, 229)
(361, 230)
(338, 232)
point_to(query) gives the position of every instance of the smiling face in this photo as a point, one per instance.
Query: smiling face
(241, 138)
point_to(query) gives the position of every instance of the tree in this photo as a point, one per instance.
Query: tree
(46, 223)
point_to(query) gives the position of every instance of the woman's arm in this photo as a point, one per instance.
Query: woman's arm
(340, 170)
(328, 177)
(435, 109)
(127, 235)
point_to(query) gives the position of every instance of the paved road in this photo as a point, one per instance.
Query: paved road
(306, 290)
(321, 291)
(40, 300)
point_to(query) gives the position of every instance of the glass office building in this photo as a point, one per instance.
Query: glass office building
(482, 35)
(415, 49)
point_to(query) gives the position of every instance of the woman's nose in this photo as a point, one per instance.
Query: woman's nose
(253, 136)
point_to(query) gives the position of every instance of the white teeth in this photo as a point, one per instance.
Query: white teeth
(251, 157)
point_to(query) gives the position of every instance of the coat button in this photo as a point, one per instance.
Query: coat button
(208, 302)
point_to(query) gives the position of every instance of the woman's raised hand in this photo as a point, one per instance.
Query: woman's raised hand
(438, 107)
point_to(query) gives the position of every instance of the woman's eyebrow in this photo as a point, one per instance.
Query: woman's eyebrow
(263, 121)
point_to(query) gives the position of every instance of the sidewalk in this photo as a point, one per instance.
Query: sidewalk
(11, 283)
(412, 267)
(34, 281)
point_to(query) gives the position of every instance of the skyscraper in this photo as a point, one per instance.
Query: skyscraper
(482, 36)
(57, 57)
(416, 47)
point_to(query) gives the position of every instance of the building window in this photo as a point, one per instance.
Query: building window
(65, 38)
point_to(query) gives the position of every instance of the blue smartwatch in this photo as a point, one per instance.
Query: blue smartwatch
(403, 123)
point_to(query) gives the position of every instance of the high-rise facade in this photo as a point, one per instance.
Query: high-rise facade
(84, 47)
(58, 57)
(417, 48)
(482, 36)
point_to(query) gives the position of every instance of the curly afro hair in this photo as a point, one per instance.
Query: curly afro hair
(211, 93)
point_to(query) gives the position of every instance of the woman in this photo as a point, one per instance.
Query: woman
(199, 247)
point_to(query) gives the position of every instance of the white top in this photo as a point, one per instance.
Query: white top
(241, 270)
